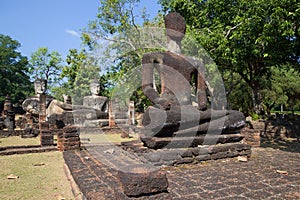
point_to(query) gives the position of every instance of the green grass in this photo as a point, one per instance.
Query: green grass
(105, 138)
(18, 141)
(46, 181)
(41, 175)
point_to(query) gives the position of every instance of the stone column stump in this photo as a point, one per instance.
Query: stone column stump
(47, 138)
(68, 139)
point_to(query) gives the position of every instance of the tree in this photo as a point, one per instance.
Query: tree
(13, 70)
(284, 89)
(69, 73)
(88, 71)
(74, 62)
(46, 65)
(80, 70)
(244, 37)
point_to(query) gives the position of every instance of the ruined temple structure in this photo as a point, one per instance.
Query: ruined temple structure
(176, 130)
(8, 115)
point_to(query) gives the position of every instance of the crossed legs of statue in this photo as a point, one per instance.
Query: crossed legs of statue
(189, 121)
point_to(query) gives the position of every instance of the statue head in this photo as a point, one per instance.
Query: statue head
(95, 87)
(175, 26)
(67, 99)
(40, 86)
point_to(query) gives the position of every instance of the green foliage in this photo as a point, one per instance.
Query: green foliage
(238, 93)
(74, 62)
(70, 71)
(255, 116)
(283, 90)
(13, 70)
(46, 65)
(88, 71)
(116, 25)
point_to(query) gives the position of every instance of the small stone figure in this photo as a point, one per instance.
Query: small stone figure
(95, 101)
(173, 110)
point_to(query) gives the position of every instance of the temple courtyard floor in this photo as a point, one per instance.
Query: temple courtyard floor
(268, 174)
(272, 172)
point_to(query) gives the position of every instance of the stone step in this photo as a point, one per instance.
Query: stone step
(185, 142)
(196, 154)
(18, 150)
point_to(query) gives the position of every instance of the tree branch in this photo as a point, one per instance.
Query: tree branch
(231, 29)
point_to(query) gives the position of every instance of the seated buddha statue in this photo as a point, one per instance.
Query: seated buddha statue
(94, 106)
(173, 112)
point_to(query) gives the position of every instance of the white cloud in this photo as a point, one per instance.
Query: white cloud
(72, 32)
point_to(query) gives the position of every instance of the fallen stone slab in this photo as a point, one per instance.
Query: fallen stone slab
(140, 181)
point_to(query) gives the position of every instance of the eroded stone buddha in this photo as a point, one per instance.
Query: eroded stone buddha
(172, 111)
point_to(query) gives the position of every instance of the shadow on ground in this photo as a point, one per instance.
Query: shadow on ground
(288, 144)
(282, 133)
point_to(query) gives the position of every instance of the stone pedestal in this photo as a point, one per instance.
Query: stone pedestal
(141, 181)
(42, 114)
(188, 128)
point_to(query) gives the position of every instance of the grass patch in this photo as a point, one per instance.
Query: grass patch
(104, 138)
(18, 141)
(41, 176)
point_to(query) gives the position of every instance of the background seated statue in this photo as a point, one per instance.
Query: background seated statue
(95, 101)
(172, 111)
(94, 107)
(32, 104)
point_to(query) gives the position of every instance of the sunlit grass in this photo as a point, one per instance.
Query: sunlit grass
(18, 141)
(104, 138)
(41, 176)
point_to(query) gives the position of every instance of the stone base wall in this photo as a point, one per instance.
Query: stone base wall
(6, 133)
(275, 129)
(251, 136)
(178, 156)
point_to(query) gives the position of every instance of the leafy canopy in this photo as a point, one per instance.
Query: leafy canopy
(13, 70)
(46, 65)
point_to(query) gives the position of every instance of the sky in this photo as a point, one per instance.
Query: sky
(55, 24)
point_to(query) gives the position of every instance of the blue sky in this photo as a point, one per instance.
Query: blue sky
(51, 23)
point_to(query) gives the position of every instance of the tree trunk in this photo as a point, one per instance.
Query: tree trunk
(257, 102)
